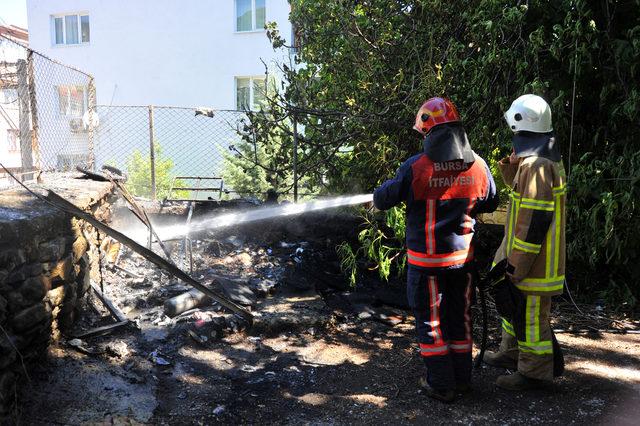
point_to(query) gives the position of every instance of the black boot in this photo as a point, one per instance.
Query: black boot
(444, 395)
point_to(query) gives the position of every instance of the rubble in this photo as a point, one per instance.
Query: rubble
(156, 358)
(317, 348)
(192, 299)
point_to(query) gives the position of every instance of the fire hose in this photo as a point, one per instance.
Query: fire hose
(509, 300)
(495, 274)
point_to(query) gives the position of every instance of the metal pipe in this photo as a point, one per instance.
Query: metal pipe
(152, 154)
(295, 159)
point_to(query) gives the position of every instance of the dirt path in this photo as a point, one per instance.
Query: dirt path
(362, 373)
(312, 357)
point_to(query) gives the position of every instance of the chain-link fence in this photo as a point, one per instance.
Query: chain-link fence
(61, 99)
(49, 121)
(190, 146)
(45, 123)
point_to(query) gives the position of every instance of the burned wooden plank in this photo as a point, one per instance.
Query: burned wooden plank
(148, 254)
(113, 309)
(93, 175)
(101, 330)
(139, 212)
(126, 271)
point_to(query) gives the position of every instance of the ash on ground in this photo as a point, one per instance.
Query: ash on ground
(319, 352)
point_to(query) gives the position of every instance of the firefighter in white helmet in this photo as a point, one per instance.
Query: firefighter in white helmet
(534, 246)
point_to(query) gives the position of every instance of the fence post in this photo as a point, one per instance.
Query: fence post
(35, 136)
(295, 158)
(152, 154)
(92, 114)
(26, 153)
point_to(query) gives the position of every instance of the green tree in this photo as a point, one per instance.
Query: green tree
(139, 171)
(363, 68)
(254, 165)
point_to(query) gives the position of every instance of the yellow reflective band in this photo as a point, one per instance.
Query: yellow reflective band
(530, 319)
(535, 205)
(540, 202)
(506, 322)
(541, 284)
(526, 247)
(539, 348)
(550, 240)
(536, 336)
(558, 231)
(510, 222)
(560, 189)
(515, 207)
(506, 326)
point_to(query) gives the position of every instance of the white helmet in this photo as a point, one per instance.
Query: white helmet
(530, 113)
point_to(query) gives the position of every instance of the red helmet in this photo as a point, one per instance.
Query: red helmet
(433, 112)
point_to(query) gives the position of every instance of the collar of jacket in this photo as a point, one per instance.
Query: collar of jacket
(448, 142)
(527, 144)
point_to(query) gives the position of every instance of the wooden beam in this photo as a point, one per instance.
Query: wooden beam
(101, 330)
(140, 213)
(152, 257)
(113, 309)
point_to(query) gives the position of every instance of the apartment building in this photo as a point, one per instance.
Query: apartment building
(188, 53)
(163, 52)
(10, 54)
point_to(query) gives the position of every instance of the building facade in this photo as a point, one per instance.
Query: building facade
(187, 53)
(10, 54)
(163, 52)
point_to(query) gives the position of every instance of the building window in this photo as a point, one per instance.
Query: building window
(250, 92)
(71, 29)
(251, 15)
(8, 95)
(13, 140)
(72, 100)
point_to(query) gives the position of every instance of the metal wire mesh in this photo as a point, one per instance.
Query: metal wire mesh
(45, 122)
(187, 144)
(10, 153)
(61, 98)
(49, 121)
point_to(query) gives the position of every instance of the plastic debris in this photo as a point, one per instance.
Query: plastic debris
(75, 342)
(157, 359)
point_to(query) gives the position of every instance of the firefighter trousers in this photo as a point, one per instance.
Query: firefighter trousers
(441, 304)
(528, 339)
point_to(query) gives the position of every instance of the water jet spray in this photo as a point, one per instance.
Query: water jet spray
(236, 218)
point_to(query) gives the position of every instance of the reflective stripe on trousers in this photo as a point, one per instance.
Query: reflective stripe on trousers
(532, 343)
(427, 260)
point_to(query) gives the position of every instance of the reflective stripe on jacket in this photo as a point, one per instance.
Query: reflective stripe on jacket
(442, 202)
(534, 240)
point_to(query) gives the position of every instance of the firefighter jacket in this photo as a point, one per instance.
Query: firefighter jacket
(442, 200)
(534, 241)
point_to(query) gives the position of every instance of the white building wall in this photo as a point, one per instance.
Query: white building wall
(162, 52)
(10, 117)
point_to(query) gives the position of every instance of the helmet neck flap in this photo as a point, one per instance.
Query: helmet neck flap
(527, 144)
(448, 142)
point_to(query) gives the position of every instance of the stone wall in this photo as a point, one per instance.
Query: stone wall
(47, 259)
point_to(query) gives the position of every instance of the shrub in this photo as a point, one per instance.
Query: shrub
(139, 171)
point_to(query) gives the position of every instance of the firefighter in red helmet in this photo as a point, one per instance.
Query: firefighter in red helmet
(444, 187)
